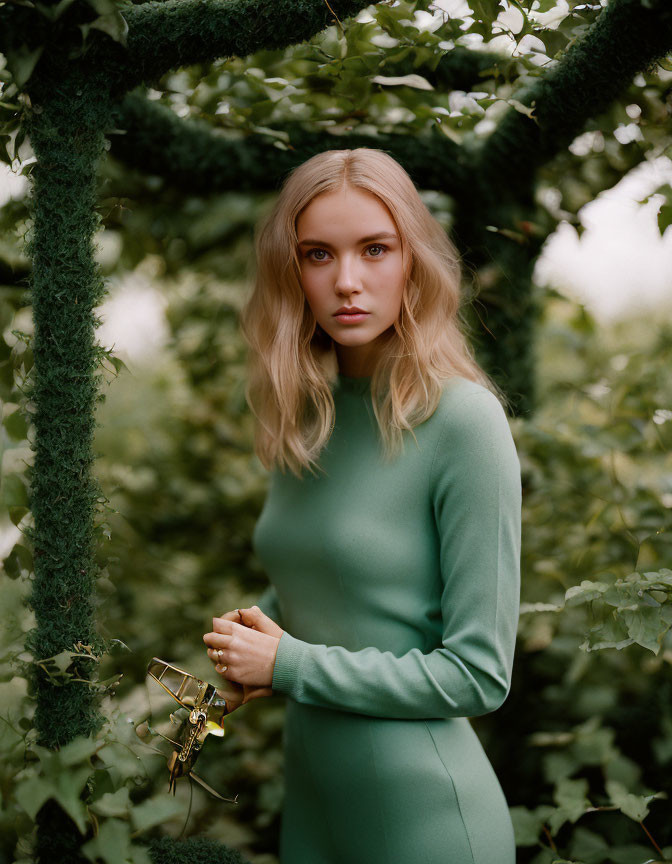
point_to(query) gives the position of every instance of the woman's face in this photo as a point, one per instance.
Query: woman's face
(350, 255)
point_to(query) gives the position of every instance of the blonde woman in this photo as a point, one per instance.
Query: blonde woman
(391, 529)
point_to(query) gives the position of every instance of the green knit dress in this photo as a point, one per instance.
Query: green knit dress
(398, 586)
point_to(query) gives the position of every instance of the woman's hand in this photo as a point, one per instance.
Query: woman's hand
(249, 646)
(256, 620)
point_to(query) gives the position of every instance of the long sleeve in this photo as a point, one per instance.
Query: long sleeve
(268, 603)
(475, 489)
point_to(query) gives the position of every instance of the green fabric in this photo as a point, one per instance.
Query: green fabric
(268, 603)
(397, 585)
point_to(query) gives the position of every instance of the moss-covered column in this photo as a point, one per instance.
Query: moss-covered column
(500, 241)
(65, 128)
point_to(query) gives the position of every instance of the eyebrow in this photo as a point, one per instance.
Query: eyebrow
(379, 236)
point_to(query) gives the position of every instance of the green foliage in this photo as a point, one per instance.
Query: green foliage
(588, 731)
(641, 609)
(597, 489)
(587, 726)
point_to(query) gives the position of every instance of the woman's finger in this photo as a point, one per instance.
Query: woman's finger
(217, 640)
(256, 693)
(215, 656)
(231, 616)
(223, 625)
(257, 620)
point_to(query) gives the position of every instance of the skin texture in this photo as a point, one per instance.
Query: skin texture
(338, 270)
(249, 643)
(342, 271)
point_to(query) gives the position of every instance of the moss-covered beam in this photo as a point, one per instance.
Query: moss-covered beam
(195, 156)
(191, 155)
(167, 34)
(626, 38)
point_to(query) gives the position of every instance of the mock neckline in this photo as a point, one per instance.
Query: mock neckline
(351, 384)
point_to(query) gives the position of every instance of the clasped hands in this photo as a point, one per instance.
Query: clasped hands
(248, 642)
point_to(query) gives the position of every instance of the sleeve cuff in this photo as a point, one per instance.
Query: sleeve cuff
(288, 661)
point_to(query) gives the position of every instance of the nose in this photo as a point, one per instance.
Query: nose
(347, 278)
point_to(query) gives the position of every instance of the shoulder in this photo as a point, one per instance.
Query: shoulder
(472, 424)
(467, 405)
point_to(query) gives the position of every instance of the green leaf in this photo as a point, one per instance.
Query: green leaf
(15, 423)
(112, 803)
(634, 806)
(16, 514)
(78, 750)
(18, 560)
(14, 491)
(646, 627)
(528, 824)
(115, 25)
(22, 61)
(31, 794)
(155, 811)
(588, 846)
(64, 787)
(412, 80)
(634, 853)
(570, 795)
(664, 217)
(112, 843)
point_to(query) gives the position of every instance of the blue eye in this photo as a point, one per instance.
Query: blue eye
(372, 246)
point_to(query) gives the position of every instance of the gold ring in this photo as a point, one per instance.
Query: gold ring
(219, 653)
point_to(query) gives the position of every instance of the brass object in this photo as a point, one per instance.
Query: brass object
(207, 708)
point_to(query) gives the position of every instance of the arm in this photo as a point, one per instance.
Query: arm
(476, 494)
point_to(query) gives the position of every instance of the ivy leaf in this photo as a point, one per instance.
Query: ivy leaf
(155, 811)
(528, 824)
(112, 844)
(78, 750)
(113, 803)
(634, 806)
(114, 24)
(21, 62)
(631, 805)
(18, 560)
(31, 794)
(63, 786)
(62, 660)
(15, 423)
(588, 846)
(14, 492)
(571, 797)
(612, 633)
(645, 627)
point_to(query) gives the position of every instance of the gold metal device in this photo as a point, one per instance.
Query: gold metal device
(207, 708)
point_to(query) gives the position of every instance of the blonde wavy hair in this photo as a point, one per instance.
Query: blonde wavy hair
(291, 361)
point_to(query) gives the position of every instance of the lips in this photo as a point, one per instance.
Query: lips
(352, 310)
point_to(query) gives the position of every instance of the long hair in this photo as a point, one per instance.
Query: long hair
(291, 361)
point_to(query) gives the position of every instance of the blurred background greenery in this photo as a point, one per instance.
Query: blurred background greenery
(583, 744)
